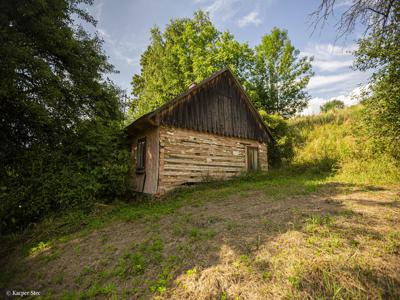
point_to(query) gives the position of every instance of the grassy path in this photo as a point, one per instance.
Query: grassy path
(276, 235)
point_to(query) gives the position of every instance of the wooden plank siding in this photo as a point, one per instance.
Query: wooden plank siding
(202, 133)
(188, 156)
(218, 107)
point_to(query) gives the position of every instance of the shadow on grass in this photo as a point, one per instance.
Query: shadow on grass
(194, 223)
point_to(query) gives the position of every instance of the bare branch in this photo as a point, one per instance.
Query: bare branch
(373, 14)
(376, 11)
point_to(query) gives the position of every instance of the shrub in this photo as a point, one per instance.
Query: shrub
(280, 150)
(332, 105)
(92, 168)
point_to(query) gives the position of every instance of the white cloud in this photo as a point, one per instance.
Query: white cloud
(329, 57)
(344, 3)
(231, 10)
(103, 33)
(333, 73)
(251, 18)
(329, 50)
(133, 61)
(332, 65)
(123, 48)
(348, 99)
(330, 84)
(225, 9)
(324, 80)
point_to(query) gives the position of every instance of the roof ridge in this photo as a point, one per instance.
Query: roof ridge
(173, 101)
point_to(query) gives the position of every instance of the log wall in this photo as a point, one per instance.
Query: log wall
(188, 156)
(218, 106)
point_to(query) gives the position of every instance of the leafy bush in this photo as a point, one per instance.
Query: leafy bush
(280, 150)
(92, 168)
(382, 115)
(331, 105)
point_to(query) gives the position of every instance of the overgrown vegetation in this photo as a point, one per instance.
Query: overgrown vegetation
(281, 148)
(62, 144)
(191, 49)
(377, 51)
(317, 227)
(297, 233)
(332, 104)
(341, 141)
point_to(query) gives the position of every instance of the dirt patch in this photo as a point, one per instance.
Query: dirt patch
(341, 241)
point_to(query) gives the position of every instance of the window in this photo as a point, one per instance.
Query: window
(141, 155)
(252, 158)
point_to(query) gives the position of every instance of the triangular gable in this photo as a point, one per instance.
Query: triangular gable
(217, 105)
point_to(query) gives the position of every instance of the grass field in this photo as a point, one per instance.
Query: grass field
(325, 227)
(286, 234)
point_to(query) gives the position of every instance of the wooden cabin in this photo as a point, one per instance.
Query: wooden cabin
(210, 131)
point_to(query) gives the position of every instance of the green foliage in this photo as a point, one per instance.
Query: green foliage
(93, 167)
(280, 150)
(62, 144)
(189, 50)
(131, 264)
(96, 290)
(380, 52)
(164, 278)
(333, 104)
(50, 76)
(340, 141)
(319, 220)
(382, 114)
(280, 76)
(378, 141)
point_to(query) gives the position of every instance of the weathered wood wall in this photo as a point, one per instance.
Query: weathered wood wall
(218, 106)
(188, 156)
(150, 176)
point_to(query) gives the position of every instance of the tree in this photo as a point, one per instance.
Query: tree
(374, 15)
(189, 50)
(280, 75)
(60, 123)
(377, 50)
(50, 75)
(331, 105)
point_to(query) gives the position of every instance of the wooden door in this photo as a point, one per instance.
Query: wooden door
(252, 158)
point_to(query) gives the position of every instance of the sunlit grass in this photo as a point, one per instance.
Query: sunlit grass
(317, 230)
(338, 141)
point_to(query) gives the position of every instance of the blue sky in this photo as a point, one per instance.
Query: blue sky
(125, 27)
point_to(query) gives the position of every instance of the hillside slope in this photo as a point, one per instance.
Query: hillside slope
(337, 141)
(311, 230)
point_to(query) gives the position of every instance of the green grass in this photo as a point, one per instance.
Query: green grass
(55, 230)
(148, 268)
(306, 250)
(277, 184)
(338, 141)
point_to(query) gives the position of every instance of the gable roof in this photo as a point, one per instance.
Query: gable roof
(177, 113)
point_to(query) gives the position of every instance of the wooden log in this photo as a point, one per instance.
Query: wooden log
(188, 156)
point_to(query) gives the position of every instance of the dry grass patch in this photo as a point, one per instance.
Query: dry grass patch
(280, 237)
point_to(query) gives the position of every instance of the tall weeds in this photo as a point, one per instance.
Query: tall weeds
(339, 141)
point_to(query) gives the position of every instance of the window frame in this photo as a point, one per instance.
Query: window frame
(141, 147)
